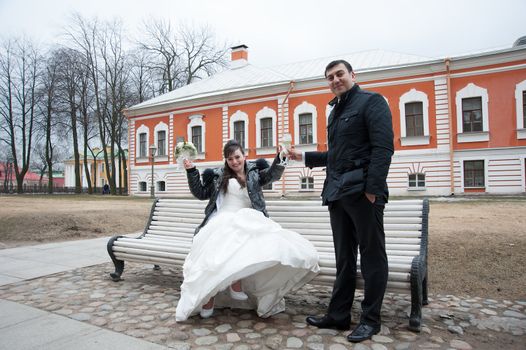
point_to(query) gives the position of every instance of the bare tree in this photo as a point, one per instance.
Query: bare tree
(141, 80)
(48, 117)
(69, 82)
(179, 56)
(106, 62)
(202, 57)
(6, 166)
(88, 124)
(19, 73)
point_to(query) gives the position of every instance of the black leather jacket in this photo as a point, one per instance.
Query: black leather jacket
(258, 175)
(360, 146)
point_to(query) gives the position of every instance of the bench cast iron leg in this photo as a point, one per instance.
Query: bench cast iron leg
(119, 264)
(156, 267)
(417, 279)
(424, 291)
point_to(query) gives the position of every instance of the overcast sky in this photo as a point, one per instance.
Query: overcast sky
(281, 31)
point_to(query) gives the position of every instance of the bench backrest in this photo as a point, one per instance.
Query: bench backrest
(405, 222)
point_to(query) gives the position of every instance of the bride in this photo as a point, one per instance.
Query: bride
(239, 257)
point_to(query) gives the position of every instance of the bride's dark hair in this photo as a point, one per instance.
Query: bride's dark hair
(230, 147)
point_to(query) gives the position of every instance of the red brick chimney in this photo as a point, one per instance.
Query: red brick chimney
(239, 56)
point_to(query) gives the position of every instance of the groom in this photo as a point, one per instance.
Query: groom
(360, 146)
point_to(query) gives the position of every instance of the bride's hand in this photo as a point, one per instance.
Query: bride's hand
(188, 164)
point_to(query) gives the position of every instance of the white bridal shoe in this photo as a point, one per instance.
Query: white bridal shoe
(206, 313)
(237, 295)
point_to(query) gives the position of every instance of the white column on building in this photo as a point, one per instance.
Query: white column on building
(225, 124)
(442, 115)
(170, 136)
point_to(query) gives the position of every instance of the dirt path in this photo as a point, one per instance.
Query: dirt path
(477, 247)
(40, 219)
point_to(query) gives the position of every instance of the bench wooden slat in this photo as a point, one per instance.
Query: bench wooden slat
(391, 285)
(150, 252)
(180, 247)
(154, 260)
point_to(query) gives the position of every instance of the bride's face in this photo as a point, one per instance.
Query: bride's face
(236, 161)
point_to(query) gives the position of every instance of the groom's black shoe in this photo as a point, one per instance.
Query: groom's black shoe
(327, 322)
(363, 332)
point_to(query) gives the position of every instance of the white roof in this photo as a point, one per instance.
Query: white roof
(249, 76)
(360, 61)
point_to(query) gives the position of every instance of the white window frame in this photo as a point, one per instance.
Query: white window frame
(161, 127)
(472, 90)
(462, 162)
(306, 189)
(414, 95)
(139, 186)
(158, 187)
(143, 129)
(197, 120)
(263, 113)
(306, 107)
(521, 128)
(236, 117)
(416, 188)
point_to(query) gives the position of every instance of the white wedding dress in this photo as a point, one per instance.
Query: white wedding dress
(240, 243)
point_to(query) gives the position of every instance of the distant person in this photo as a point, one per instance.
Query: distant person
(106, 189)
(360, 147)
(237, 248)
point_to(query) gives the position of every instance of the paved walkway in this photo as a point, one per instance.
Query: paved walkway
(24, 327)
(59, 296)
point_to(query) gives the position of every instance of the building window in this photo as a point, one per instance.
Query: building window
(474, 173)
(417, 180)
(160, 134)
(161, 143)
(142, 186)
(414, 119)
(143, 145)
(197, 138)
(196, 133)
(266, 132)
(161, 186)
(239, 132)
(472, 114)
(307, 183)
(267, 187)
(305, 128)
(238, 128)
(520, 109)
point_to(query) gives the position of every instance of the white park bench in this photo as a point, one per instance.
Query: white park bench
(167, 239)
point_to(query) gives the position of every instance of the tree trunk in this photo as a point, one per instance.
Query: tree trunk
(73, 115)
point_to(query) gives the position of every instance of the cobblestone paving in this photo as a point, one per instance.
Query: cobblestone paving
(143, 306)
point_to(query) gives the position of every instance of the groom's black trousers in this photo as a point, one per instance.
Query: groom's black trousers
(356, 222)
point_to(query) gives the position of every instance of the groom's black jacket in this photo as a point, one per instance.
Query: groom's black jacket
(360, 146)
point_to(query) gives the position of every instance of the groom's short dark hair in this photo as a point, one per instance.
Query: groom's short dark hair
(337, 62)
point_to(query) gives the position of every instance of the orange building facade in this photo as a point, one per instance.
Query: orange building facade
(459, 122)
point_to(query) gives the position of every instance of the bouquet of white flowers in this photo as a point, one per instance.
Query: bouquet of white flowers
(184, 150)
